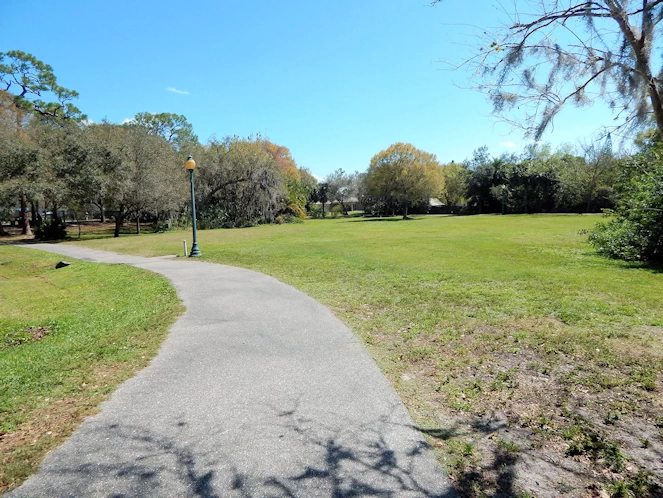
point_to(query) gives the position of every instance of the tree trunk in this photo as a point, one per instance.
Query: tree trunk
(405, 211)
(34, 207)
(25, 222)
(78, 222)
(138, 224)
(657, 106)
(101, 208)
(589, 198)
(119, 218)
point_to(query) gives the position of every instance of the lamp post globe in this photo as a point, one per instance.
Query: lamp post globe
(190, 165)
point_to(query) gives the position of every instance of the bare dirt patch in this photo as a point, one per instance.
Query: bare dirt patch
(38, 333)
(510, 415)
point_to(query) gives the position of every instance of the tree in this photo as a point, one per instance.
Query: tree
(321, 194)
(20, 162)
(341, 186)
(139, 172)
(299, 193)
(25, 82)
(559, 52)
(454, 183)
(27, 79)
(283, 158)
(174, 128)
(485, 177)
(239, 183)
(402, 175)
(307, 183)
(599, 163)
(299, 183)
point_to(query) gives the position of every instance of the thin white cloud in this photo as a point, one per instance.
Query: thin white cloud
(175, 90)
(127, 120)
(510, 145)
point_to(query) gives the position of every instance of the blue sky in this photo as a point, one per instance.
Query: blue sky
(335, 82)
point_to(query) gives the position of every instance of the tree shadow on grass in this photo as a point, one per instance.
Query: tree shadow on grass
(468, 478)
(497, 476)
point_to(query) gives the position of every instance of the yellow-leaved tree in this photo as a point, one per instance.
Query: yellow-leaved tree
(402, 176)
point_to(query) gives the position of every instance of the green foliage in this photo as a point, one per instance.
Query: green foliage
(241, 179)
(27, 78)
(287, 218)
(336, 211)
(130, 171)
(52, 229)
(636, 231)
(315, 212)
(341, 186)
(174, 128)
(400, 177)
(454, 181)
(162, 226)
(213, 216)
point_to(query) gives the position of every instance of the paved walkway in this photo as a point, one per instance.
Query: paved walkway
(258, 391)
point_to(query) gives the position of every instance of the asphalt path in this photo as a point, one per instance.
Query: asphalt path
(258, 391)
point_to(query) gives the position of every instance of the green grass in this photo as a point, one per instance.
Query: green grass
(470, 316)
(68, 337)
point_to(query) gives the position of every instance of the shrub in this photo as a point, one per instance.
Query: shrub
(336, 211)
(162, 226)
(315, 212)
(636, 231)
(51, 230)
(296, 210)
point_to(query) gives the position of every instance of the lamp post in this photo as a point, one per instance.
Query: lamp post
(190, 164)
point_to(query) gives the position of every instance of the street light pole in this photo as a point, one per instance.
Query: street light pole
(190, 164)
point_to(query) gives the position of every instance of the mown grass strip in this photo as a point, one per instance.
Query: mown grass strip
(68, 338)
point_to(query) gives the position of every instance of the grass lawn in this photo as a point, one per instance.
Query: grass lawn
(533, 365)
(68, 337)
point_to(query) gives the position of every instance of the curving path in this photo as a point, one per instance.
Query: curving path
(258, 391)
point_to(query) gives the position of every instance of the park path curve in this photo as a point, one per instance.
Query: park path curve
(258, 391)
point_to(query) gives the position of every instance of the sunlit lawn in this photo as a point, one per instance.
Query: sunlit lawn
(478, 316)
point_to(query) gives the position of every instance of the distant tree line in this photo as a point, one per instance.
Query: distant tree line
(403, 179)
(52, 159)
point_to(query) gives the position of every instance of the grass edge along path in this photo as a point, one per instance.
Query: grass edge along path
(68, 338)
(532, 364)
